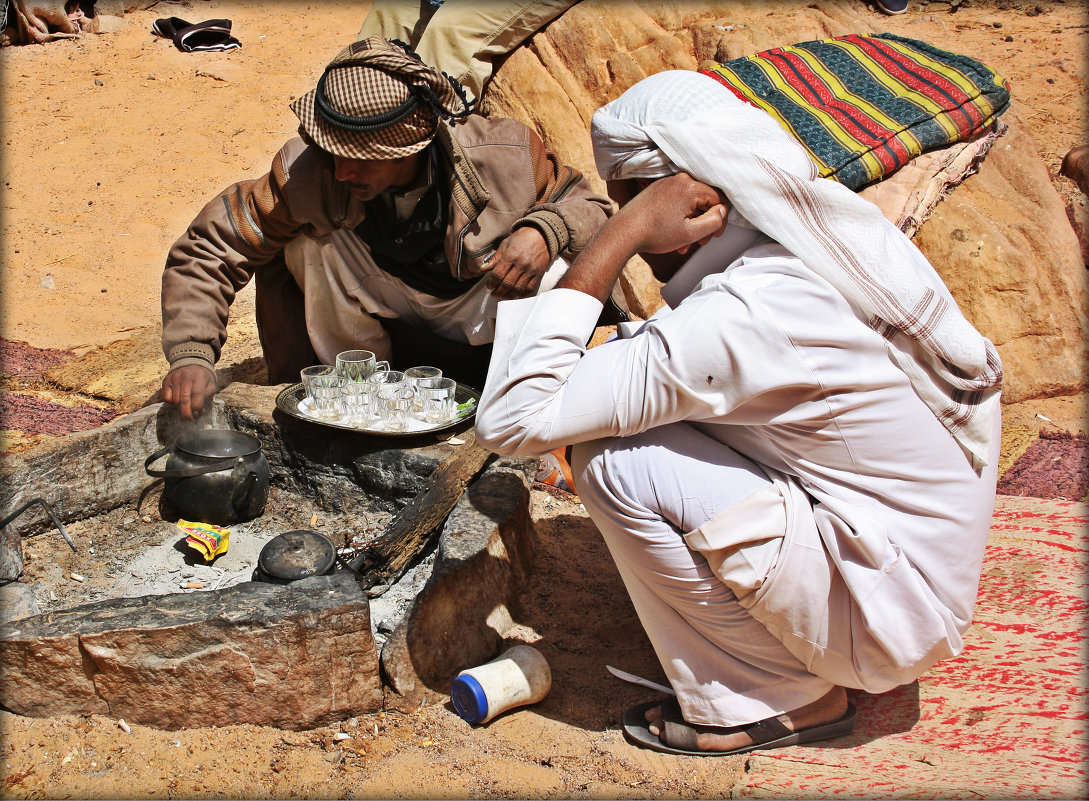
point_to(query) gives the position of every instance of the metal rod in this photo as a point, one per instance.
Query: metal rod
(52, 516)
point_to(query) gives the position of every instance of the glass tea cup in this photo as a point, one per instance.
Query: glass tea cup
(325, 400)
(414, 374)
(421, 376)
(358, 402)
(395, 403)
(437, 401)
(385, 379)
(358, 365)
(318, 375)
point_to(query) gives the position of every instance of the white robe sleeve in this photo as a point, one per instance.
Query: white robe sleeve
(546, 390)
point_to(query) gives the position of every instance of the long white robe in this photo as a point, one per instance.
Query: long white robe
(794, 469)
(865, 572)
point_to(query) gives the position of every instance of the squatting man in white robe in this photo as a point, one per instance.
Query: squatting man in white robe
(793, 463)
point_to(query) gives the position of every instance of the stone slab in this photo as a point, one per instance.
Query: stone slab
(295, 656)
(460, 618)
(17, 601)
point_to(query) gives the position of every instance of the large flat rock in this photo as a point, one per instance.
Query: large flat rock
(294, 656)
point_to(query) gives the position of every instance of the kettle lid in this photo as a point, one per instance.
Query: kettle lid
(297, 554)
(217, 443)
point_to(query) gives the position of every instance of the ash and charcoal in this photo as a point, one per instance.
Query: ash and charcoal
(134, 552)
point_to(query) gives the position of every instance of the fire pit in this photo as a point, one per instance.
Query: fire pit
(138, 625)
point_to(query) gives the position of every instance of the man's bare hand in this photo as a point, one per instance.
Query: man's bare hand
(189, 387)
(672, 214)
(516, 269)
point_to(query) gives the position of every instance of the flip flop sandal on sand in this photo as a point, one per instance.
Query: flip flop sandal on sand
(210, 35)
(766, 734)
(167, 27)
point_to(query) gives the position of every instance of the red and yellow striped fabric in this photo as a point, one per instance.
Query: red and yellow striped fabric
(864, 105)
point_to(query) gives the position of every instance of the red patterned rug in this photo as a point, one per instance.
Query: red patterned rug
(30, 413)
(1056, 465)
(1006, 718)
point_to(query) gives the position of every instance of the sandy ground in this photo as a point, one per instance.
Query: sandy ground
(111, 144)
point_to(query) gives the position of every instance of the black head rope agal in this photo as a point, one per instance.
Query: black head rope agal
(419, 93)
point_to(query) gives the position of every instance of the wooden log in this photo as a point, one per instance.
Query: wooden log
(385, 559)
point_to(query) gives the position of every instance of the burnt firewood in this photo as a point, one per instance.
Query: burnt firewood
(389, 556)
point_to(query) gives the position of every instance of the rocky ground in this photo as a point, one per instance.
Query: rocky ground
(111, 143)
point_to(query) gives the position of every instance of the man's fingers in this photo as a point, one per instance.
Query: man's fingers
(503, 279)
(503, 291)
(518, 266)
(711, 223)
(499, 267)
(196, 404)
(708, 224)
(517, 284)
(185, 405)
(188, 388)
(675, 213)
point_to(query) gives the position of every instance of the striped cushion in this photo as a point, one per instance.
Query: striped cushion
(865, 105)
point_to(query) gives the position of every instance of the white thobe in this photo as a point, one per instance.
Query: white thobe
(785, 511)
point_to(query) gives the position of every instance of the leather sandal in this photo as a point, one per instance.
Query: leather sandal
(210, 35)
(680, 737)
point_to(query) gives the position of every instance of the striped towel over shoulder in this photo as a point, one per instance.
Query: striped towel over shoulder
(864, 105)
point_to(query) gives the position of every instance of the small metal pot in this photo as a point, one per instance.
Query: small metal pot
(213, 476)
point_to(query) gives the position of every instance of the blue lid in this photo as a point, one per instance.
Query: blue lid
(469, 699)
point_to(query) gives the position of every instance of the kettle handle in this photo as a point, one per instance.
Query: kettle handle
(243, 500)
(184, 472)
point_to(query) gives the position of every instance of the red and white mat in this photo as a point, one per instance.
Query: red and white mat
(1005, 719)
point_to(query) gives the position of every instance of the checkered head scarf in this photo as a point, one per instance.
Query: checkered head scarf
(378, 100)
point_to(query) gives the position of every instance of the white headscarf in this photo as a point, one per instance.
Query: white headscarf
(684, 121)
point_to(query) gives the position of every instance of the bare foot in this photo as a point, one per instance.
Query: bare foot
(830, 707)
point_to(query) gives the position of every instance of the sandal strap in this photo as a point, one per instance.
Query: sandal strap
(766, 730)
(678, 733)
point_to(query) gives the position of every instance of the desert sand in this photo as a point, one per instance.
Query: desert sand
(111, 145)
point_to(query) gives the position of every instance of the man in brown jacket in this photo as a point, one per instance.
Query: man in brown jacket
(394, 223)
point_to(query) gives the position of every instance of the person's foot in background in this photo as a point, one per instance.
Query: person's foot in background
(891, 6)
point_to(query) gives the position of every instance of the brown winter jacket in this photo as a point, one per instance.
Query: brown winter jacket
(501, 178)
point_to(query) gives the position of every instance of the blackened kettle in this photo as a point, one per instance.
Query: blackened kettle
(213, 475)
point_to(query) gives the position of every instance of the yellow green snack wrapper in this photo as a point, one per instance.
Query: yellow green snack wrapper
(209, 540)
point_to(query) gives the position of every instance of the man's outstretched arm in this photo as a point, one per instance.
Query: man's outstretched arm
(237, 231)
